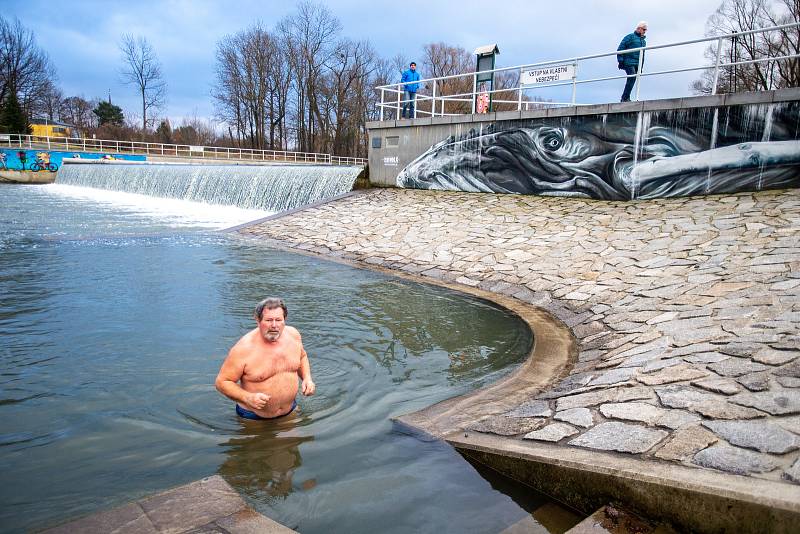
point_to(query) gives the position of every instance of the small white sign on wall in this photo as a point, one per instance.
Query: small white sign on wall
(391, 161)
(551, 74)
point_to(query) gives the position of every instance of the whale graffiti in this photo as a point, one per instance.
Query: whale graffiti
(589, 162)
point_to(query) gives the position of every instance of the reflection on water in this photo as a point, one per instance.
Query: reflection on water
(261, 458)
(110, 349)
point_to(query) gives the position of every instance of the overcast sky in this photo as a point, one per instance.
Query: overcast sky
(82, 37)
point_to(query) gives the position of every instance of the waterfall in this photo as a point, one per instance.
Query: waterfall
(265, 187)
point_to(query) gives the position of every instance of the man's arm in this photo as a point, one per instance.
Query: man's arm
(227, 382)
(623, 45)
(304, 372)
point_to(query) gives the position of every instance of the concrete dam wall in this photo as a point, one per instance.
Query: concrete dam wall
(637, 150)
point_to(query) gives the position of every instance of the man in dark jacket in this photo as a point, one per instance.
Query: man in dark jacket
(630, 62)
(410, 89)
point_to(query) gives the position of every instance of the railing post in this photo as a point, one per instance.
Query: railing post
(433, 100)
(383, 92)
(639, 73)
(716, 67)
(574, 82)
(519, 92)
(474, 87)
(399, 95)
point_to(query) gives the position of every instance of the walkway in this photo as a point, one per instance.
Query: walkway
(687, 311)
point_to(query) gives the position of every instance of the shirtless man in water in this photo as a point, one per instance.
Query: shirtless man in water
(261, 370)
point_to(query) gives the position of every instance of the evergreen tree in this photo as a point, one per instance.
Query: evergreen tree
(108, 113)
(12, 118)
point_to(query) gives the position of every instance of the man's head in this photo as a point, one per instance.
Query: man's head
(641, 28)
(413, 66)
(271, 314)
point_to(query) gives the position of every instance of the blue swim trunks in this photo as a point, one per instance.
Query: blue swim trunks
(247, 414)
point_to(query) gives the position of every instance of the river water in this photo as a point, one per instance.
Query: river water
(116, 311)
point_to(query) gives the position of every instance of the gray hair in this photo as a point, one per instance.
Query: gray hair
(270, 303)
(642, 24)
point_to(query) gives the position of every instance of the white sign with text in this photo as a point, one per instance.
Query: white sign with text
(551, 74)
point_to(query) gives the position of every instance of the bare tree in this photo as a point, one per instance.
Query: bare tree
(77, 111)
(48, 102)
(143, 70)
(252, 87)
(441, 60)
(24, 67)
(732, 18)
(310, 36)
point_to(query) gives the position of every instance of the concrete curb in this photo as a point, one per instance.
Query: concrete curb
(692, 499)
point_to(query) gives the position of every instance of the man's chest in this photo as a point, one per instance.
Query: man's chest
(263, 367)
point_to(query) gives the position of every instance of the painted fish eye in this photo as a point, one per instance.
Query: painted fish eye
(553, 140)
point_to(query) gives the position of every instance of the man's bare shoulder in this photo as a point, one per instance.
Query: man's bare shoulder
(244, 346)
(292, 331)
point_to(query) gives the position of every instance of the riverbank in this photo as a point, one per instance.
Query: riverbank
(27, 177)
(686, 313)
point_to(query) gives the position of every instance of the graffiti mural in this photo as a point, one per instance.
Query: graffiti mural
(621, 156)
(51, 160)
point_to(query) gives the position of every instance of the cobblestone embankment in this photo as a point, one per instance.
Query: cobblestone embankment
(686, 310)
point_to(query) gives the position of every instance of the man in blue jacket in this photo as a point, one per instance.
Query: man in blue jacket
(630, 62)
(410, 89)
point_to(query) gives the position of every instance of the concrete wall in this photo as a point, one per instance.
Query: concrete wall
(675, 147)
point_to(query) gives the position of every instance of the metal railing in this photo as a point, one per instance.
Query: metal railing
(74, 144)
(438, 102)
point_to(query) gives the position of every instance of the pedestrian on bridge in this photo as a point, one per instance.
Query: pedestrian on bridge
(409, 89)
(630, 62)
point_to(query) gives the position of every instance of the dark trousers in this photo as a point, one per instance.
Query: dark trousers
(629, 83)
(409, 97)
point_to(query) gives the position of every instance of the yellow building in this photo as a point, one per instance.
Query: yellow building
(48, 128)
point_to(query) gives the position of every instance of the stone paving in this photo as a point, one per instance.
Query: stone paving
(686, 310)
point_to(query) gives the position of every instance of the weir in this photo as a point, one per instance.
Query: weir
(264, 187)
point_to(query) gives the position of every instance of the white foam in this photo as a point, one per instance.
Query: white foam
(173, 212)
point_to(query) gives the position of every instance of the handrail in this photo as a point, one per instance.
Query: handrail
(438, 101)
(171, 150)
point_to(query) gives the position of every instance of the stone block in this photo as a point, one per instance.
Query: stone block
(192, 505)
(625, 107)
(734, 460)
(592, 398)
(788, 94)
(508, 115)
(725, 386)
(251, 522)
(793, 473)
(734, 367)
(447, 119)
(128, 519)
(777, 402)
(507, 426)
(577, 416)
(619, 437)
(533, 113)
(705, 101)
(561, 111)
(751, 97)
(759, 435)
(755, 381)
(534, 408)
(685, 443)
(771, 356)
(593, 109)
(553, 432)
(682, 373)
(662, 104)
